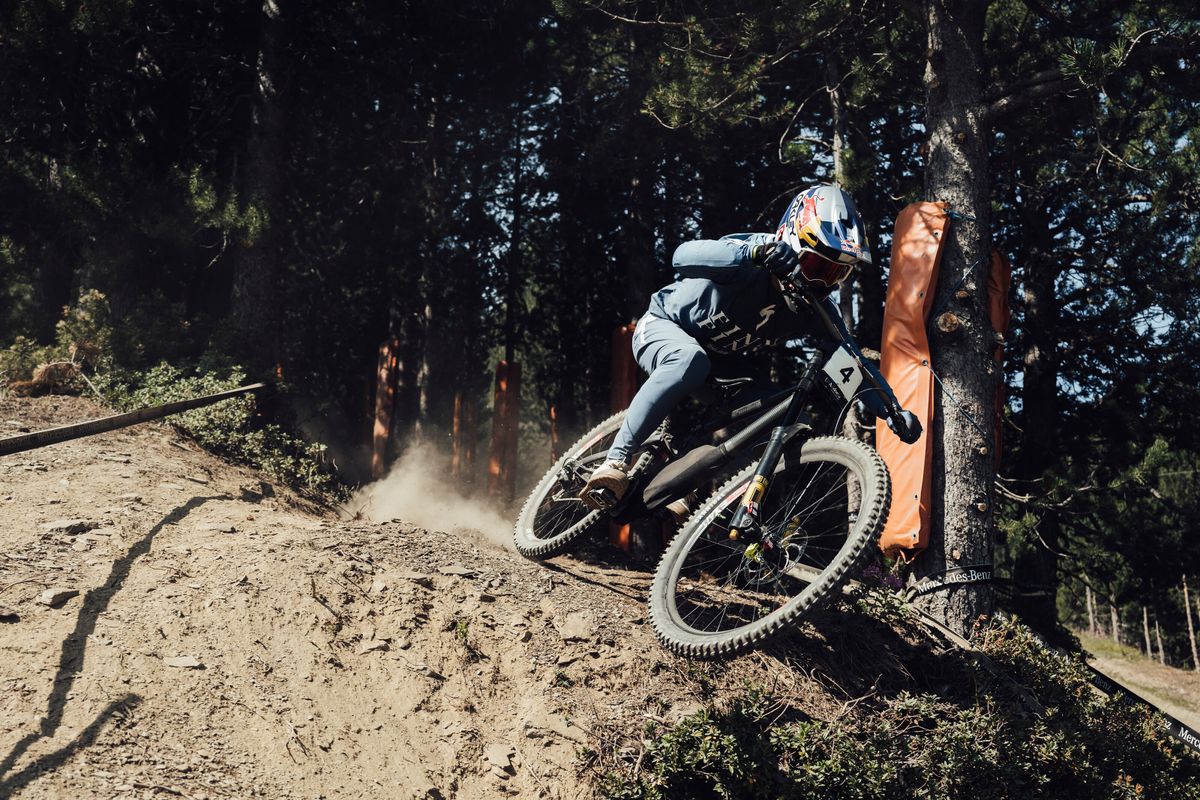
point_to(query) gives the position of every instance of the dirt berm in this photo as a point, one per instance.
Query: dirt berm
(173, 626)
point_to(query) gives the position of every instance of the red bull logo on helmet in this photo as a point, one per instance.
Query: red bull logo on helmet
(807, 212)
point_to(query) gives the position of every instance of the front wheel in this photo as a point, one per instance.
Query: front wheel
(553, 516)
(714, 597)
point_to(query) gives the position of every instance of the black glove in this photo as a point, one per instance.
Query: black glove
(778, 257)
(906, 426)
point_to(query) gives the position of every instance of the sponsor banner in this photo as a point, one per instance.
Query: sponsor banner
(956, 576)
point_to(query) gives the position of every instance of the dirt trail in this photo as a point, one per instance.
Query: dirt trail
(1176, 691)
(173, 626)
(226, 640)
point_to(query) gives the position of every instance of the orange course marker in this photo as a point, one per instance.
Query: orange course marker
(916, 254)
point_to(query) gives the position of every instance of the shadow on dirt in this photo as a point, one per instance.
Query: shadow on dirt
(95, 603)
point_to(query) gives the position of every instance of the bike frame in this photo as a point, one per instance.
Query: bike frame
(745, 518)
(784, 418)
(699, 463)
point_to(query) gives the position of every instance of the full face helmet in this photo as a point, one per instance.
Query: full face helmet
(823, 226)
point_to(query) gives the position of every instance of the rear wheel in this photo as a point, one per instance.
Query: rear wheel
(553, 516)
(714, 597)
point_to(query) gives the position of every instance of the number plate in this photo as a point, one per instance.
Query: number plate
(843, 373)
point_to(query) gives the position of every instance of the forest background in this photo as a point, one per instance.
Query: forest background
(198, 192)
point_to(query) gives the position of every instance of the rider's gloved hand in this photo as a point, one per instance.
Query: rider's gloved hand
(906, 426)
(778, 257)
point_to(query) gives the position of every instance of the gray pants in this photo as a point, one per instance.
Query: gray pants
(677, 366)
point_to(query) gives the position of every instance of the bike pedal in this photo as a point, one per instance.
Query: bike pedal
(599, 499)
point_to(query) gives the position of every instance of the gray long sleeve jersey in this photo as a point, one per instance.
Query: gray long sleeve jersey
(729, 304)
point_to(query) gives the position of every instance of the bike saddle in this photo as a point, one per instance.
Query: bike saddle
(716, 389)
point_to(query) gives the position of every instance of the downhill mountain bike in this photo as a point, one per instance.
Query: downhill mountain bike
(775, 540)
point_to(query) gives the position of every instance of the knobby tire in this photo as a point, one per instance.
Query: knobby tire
(727, 589)
(553, 519)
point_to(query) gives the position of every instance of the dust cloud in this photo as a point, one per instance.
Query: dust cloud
(417, 491)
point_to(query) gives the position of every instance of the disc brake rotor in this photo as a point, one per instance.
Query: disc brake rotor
(759, 566)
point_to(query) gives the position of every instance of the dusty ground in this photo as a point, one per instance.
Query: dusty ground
(225, 639)
(173, 626)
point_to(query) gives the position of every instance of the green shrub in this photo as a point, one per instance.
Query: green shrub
(83, 335)
(231, 428)
(977, 741)
(85, 331)
(725, 754)
(19, 359)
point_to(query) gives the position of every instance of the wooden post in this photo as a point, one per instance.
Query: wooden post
(385, 402)
(1187, 609)
(502, 465)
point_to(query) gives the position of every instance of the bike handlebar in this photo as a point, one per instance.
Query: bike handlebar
(803, 291)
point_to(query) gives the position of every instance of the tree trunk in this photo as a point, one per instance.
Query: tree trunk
(502, 464)
(957, 173)
(837, 114)
(52, 287)
(1187, 609)
(1115, 618)
(513, 260)
(1039, 413)
(1146, 631)
(837, 119)
(410, 331)
(421, 424)
(1091, 609)
(255, 298)
(641, 277)
(1162, 658)
(385, 403)
(1193, 638)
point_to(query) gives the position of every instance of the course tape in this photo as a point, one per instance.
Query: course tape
(1171, 725)
(65, 433)
(1111, 687)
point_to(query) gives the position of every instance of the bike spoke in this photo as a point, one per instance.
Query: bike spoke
(721, 587)
(562, 509)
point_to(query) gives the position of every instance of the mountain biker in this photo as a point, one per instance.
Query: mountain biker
(727, 303)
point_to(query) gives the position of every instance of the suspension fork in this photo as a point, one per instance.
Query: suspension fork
(745, 517)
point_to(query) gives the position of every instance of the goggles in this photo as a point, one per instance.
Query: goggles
(817, 269)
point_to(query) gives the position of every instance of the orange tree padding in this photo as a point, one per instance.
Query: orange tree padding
(916, 252)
